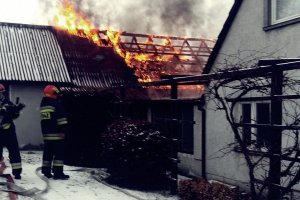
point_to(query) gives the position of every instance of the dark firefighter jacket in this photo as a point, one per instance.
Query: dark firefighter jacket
(8, 112)
(53, 119)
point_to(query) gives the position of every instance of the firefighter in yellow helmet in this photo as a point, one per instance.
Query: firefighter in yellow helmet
(54, 126)
(8, 138)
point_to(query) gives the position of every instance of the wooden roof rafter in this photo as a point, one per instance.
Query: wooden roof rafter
(195, 50)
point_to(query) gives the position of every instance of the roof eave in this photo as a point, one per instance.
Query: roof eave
(221, 38)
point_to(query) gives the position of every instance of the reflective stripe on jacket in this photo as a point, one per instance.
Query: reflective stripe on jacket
(53, 119)
(54, 136)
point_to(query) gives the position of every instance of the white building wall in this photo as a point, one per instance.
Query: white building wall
(223, 164)
(246, 39)
(247, 36)
(28, 126)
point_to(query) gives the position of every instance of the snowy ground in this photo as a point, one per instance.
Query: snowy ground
(81, 185)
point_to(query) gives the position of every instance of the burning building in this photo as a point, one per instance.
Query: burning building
(92, 67)
(152, 57)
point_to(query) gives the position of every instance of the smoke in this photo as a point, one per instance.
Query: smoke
(191, 18)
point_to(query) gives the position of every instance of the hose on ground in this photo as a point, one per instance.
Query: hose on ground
(34, 193)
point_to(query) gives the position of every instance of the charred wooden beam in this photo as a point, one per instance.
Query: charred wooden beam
(237, 74)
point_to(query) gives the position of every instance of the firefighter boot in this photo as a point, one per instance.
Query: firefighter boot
(18, 176)
(17, 173)
(48, 175)
(61, 176)
(46, 171)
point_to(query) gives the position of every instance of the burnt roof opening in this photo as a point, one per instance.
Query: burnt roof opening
(90, 65)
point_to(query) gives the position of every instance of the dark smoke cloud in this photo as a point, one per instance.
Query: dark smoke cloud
(192, 18)
(177, 15)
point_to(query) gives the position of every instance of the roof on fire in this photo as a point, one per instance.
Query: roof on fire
(41, 54)
(92, 66)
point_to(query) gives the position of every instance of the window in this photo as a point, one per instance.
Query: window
(284, 10)
(258, 113)
(263, 117)
(246, 118)
(176, 122)
(187, 129)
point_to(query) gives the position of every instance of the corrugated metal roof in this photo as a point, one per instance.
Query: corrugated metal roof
(92, 66)
(31, 53)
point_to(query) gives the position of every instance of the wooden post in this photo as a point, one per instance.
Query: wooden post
(121, 102)
(174, 90)
(174, 167)
(276, 137)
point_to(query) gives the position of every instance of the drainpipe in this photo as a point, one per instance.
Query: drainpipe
(203, 142)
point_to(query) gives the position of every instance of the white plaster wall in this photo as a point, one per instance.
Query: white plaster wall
(28, 126)
(245, 38)
(223, 163)
(247, 34)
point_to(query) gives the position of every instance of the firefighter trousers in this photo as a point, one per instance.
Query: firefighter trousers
(8, 139)
(53, 156)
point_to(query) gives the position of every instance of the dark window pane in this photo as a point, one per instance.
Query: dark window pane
(176, 121)
(187, 141)
(263, 117)
(246, 114)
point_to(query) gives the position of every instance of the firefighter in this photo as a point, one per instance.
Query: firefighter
(8, 138)
(54, 126)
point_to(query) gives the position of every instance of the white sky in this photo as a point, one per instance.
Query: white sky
(192, 18)
(19, 11)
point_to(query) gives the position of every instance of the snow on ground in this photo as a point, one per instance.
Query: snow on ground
(81, 184)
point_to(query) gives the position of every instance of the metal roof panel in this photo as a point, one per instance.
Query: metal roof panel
(31, 53)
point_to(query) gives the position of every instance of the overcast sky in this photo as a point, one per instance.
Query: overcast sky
(191, 18)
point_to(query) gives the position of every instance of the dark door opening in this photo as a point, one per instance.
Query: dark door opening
(88, 116)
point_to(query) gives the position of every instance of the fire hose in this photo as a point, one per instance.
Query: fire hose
(101, 180)
(34, 193)
(113, 187)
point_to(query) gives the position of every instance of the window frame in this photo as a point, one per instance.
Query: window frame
(187, 129)
(269, 16)
(246, 131)
(262, 134)
(254, 116)
(274, 14)
(184, 123)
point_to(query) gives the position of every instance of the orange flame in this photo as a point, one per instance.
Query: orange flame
(76, 23)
